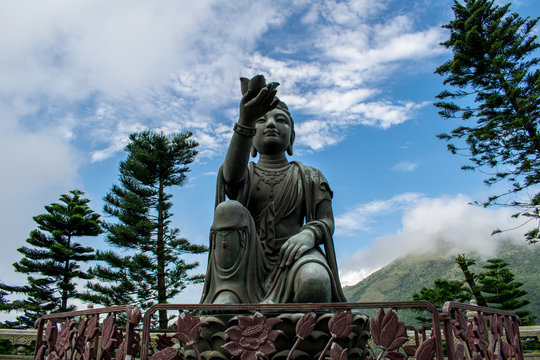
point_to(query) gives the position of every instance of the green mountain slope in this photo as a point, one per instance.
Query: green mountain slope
(404, 276)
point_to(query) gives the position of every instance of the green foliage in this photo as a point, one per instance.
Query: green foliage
(7, 348)
(496, 90)
(149, 268)
(441, 292)
(495, 287)
(52, 261)
(530, 344)
(464, 264)
(502, 291)
(4, 303)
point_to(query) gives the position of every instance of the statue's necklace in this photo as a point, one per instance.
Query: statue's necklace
(271, 177)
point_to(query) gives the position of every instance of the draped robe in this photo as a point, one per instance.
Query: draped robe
(256, 276)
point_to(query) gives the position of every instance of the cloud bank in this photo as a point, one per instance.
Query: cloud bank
(101, 70)
(428, 225)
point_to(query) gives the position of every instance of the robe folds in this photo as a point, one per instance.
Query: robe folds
(255, 276)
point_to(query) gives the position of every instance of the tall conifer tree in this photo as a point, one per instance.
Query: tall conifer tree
(149, 269)
(501, 291)
(441, 292)
(52, 259)
(471, 278)
(495, 287)
(495, 90)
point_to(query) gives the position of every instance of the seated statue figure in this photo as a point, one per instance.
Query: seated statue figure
(272, 241)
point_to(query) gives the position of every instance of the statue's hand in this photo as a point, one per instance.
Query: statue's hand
(295, 247)
(257, 100)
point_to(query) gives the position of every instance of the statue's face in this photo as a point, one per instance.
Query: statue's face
(273, 132)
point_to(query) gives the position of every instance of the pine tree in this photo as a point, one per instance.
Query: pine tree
(496, 92)
(495, 287)
(464, 264)
(4, 303)
(150, 268)
(54, 257)
(441, 292)
(501, 291)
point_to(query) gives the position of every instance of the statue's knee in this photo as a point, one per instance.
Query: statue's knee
(226, 297)
(312, 284)
(229, 232)
(230, 214)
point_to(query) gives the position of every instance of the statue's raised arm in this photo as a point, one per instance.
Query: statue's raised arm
(257, 99)
(271, 242)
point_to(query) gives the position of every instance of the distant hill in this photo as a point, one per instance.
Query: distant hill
(407, 275)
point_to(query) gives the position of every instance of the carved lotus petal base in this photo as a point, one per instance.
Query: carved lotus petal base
(213, 337)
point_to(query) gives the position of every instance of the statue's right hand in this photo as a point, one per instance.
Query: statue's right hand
(296, 246)
(256, 102)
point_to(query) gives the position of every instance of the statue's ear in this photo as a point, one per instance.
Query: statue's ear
(290, 147)
(253, 151)
(244, 83)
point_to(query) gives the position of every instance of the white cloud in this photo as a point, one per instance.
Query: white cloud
(116, 67)
(360, 217)
(405, 166)
(33, 161)
(345, 12)
(122, 64)
(340, 85)
(408, 46)
(316, 134)
(384, 114)
(117, 140)
(352, 277)
(36, 168)
(434, 224)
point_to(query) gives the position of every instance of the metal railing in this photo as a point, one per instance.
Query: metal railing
(280, 331)
(344, 321)
(82, 336)
(485, 332)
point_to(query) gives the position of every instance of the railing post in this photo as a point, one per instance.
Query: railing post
(39, 336)
(129, 327)
(133, 315)
(449, 336)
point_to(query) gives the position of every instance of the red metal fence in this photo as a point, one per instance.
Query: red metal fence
(335, 331)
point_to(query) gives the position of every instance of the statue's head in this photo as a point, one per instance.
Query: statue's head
(275, 132)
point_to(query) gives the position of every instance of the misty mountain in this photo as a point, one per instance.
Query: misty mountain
(407, 275)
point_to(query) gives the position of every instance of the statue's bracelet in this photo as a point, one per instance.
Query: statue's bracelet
(244, 130)
(315, 230)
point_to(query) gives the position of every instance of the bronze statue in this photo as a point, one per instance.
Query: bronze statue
(265, 243)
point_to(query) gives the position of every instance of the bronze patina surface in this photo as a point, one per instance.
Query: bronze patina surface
(271, 239)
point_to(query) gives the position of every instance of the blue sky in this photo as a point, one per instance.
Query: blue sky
(79, 76)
